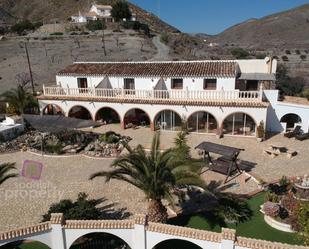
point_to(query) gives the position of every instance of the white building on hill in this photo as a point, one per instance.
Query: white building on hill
(96, 12)
(234, 96)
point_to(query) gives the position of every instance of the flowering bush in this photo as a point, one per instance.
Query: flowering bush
(289, 202)
(271, 209)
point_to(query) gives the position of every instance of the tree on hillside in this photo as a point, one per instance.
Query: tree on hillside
(19, 99)
(6, 172)
(240, 53)
(287, 85)
(121, 10)
(156, 174)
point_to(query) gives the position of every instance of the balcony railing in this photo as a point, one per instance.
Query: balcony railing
(119, 93)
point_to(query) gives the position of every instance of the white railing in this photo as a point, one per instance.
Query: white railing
(119, 93)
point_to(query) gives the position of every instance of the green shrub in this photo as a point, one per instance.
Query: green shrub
(57, 33)
(53, 148)
(285, 58)
(303, 57)
(299, 221)
(110, 137)
(95, 25)
(22, 26)
(287, 51)
(164, 38)
(271, 197)
(240, 53)
(305, 93)
(297, 51)
(260, 56)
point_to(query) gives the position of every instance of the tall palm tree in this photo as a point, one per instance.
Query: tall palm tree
(156, 174)
(19, 98)
(5, 172)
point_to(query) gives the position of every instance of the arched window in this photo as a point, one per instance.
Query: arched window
(108, 116)
(80, 112)
(99, 240)
(168, 120)
(239, 124)
(202, 122)
(136, 117)
(176, 243)
(291, 119)
(52, 109)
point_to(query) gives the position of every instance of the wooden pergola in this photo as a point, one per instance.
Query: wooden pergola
(226, 164)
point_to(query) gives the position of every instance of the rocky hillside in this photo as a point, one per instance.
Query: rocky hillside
(50, 10)
(288, 30)
(5, 17)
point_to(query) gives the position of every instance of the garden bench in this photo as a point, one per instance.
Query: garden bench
(291, 153)
(271, 152)
(227, 164)
(293, 133)
(302, 137)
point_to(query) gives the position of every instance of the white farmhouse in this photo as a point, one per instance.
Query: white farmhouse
(96, 12)
(234, 96)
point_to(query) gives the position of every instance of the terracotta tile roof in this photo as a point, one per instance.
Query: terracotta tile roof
(155, 69)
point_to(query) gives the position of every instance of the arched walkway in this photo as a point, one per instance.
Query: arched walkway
(79, 112)
(99, 240)
(52, 109)
(107, 115)
(168, 120)
(136, 117)
(26, 244)
(240, 124)
(176, 243)
(202, 122)
(291, 119)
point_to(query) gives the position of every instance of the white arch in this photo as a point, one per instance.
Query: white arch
(72, 235)
(154, 238)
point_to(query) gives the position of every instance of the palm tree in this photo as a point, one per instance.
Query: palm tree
(5, 172)
(156, 174)
(19, 98)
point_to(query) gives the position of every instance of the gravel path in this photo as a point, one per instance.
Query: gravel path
(162, 50)
(23, 201)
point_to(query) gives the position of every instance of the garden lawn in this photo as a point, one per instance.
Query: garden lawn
(254, 228)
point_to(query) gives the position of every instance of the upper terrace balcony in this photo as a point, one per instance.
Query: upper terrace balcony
(154, 96)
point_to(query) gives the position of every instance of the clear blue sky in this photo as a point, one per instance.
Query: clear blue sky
(213, 16)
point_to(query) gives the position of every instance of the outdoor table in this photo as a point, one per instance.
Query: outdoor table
(227, 163)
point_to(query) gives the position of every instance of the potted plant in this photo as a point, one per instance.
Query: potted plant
(260, 132)
(219, 132)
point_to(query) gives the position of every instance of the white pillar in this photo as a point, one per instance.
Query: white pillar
(140, 232)
(228, 238)
(57, 233)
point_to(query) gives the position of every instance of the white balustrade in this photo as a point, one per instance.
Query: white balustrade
(233, 95)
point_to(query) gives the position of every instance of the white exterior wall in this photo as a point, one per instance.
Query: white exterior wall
(220, 113)
(100, 11)
(146, 83)
(256, 66)
(278, 109)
